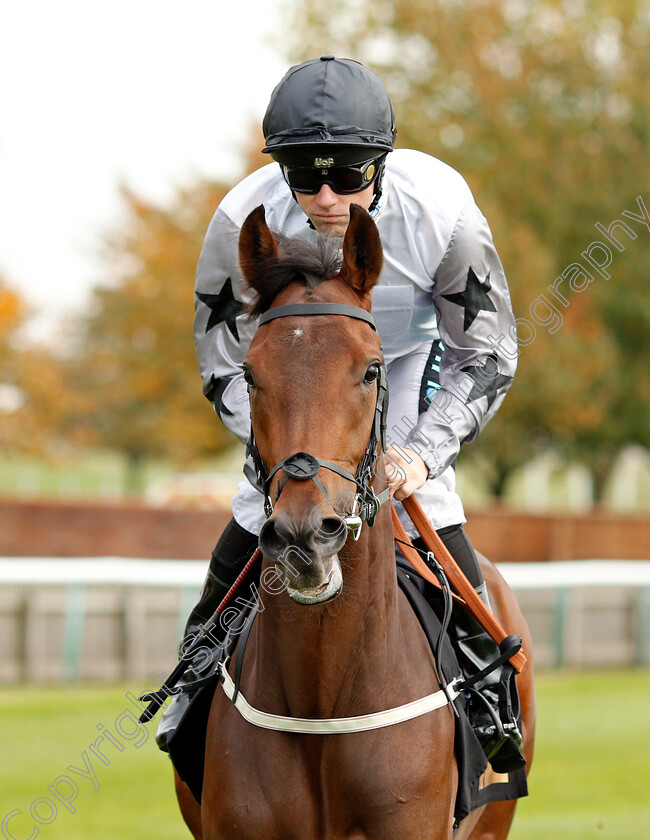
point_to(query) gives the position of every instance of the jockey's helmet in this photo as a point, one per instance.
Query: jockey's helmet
(328, 114)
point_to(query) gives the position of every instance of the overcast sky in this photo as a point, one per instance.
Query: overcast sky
(149, 92)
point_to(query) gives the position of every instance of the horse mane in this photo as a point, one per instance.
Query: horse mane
(298, 261)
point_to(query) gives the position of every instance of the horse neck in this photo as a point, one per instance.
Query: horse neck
(316, 657)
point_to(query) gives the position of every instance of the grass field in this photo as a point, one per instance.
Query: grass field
(590, 779)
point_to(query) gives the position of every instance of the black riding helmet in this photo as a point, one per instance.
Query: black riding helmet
(331, 110)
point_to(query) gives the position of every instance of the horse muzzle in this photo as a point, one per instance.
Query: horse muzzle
(306, 555)
(326, 591)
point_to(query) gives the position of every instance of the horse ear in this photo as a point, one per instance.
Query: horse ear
(362, 253)
(256, 247)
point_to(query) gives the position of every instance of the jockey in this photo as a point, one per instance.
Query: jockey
(442, 309)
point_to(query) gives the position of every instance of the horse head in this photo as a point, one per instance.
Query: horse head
(315, 383)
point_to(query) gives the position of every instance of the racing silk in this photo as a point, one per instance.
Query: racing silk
(442, 286)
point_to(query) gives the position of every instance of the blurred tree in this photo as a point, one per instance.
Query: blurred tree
(33, 397)
(12, 314)
(545, 109)
(135, 364)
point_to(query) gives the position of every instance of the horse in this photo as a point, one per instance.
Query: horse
(338, 638)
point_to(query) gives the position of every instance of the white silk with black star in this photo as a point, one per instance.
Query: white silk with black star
(442, 278)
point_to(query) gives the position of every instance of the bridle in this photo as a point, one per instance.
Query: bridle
(302, 466)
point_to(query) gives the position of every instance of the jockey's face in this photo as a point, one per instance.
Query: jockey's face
(329, 212)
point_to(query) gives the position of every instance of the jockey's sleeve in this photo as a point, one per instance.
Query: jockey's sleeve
(221, 332)
(477, 326)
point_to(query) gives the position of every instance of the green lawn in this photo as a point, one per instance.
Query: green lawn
(591, 777)
(44, 731)
(591, 774)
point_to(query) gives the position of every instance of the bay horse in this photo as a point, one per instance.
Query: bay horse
(338, 639)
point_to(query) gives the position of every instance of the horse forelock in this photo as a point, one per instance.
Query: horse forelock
(298, 261)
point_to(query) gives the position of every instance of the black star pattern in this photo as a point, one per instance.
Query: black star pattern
(474, 298)
(223, 307)
(486, 380)
(218, 387)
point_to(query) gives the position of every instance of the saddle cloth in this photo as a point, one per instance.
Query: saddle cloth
(477, 783)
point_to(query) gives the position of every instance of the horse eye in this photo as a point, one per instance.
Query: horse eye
(248, 377)
(371, 374)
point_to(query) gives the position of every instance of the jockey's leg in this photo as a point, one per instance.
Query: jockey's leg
(232, 552)
(502, 744)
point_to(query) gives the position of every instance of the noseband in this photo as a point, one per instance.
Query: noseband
(302, 466)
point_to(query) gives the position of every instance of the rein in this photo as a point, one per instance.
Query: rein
(509, 646)
(303, 466)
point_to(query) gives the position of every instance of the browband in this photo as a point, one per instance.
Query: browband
(318, 309)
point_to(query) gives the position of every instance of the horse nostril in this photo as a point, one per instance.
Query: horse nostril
(275, 536)
(280, 533)
(331, 527)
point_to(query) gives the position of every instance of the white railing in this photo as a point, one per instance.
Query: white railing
(39, 571)
(114, 618)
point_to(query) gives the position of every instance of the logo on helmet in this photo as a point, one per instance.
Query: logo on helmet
(323, 163)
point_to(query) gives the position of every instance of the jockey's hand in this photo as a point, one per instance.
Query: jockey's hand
(405, 471)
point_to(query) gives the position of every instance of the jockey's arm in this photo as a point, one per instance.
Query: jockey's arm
(221, 332)
(477, 326)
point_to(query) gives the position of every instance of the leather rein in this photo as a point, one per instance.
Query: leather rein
(302, 466)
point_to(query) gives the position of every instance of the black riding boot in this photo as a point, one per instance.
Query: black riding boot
(232, 552)
(493, 706)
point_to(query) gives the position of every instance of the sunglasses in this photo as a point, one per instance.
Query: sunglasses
(343, 179)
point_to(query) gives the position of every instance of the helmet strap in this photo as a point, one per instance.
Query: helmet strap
(378, 184)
